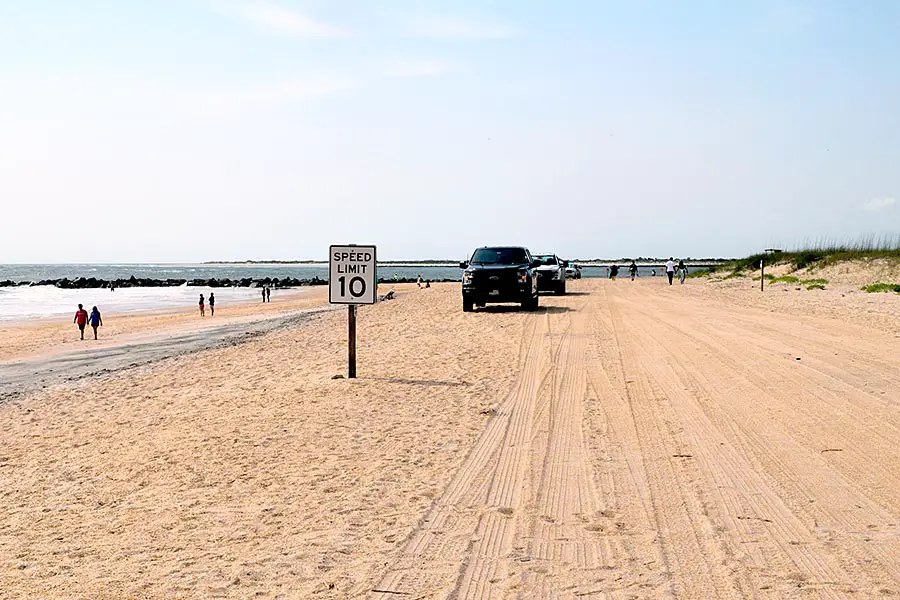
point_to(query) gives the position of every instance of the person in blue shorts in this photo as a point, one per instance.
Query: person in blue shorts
(96, 320)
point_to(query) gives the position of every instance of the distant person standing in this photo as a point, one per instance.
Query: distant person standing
(613, 272)
(212, 304)
(633, 269)
(96, 320)
(652, 272)
(419, 280)
(670, 269)
(264, 294)
(81, 319)
(202, 306)
(268, 294)
(682, 270)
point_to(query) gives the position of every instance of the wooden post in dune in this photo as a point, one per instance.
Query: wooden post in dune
(762, 275)
(352, 280)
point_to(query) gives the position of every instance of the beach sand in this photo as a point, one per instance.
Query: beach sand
(630, 439)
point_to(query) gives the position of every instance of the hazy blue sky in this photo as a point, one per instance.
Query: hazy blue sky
(188, 130)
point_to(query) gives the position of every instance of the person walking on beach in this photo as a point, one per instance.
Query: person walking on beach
(613, 272)
(212, 304)
(81, 319)
(96, 320)
(202, 306)
(682, 270)
(633, 269)
(419, 280)
(670, 269)
(268, 294)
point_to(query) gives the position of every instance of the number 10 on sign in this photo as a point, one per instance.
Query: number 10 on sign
(352, 280)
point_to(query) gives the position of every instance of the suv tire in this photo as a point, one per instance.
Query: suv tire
(561, 288)
(467, 305)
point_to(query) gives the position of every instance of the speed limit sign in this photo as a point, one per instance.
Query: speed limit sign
(351, 275)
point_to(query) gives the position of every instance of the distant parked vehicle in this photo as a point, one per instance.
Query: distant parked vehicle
(551, 273)
(499, 274)
(573, 271)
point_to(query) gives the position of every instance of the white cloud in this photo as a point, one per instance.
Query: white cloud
(453, 28)
(879, 203)
(277, 18)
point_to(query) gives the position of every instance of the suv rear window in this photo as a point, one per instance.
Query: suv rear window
(499, 256)
(546, 260)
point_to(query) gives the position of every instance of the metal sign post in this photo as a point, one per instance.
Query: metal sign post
(352, 279)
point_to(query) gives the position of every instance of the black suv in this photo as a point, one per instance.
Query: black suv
(500, 274)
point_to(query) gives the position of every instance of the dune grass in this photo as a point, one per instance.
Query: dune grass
(785, 279)
(882, 287)
(819, 254)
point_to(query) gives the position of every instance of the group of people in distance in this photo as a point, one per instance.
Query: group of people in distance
(671, 269)
(82, 317)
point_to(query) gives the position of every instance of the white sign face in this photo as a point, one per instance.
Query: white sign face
(351, 275)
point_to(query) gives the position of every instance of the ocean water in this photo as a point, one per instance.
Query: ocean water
(39, 272)
(42, 302)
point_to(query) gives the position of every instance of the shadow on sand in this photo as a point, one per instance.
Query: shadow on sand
(429, 382)
(514, 309)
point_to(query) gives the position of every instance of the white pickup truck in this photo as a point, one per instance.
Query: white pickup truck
(551, 273)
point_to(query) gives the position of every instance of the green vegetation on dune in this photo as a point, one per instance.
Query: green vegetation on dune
(883, 287)
(786, 279)
(824, 253)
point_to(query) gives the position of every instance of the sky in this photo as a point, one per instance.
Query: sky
(194, 130)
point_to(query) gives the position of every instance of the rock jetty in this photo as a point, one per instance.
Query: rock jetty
(274, 282)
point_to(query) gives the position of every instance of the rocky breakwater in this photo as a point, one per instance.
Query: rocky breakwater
(92, 282)
(80, 283)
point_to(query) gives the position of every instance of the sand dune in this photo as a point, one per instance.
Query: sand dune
(628, 440)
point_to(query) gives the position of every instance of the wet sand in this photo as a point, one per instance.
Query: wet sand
(630, 439)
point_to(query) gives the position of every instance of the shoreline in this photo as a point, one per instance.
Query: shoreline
(55, 334)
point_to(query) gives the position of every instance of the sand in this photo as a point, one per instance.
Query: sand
(628, 440)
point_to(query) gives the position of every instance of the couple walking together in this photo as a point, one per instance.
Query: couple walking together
(670, 270)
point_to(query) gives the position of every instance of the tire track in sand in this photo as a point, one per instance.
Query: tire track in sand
(476, 512)
(520, 517)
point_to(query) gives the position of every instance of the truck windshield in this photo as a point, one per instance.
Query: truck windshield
(499, 256)
(546, 260)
